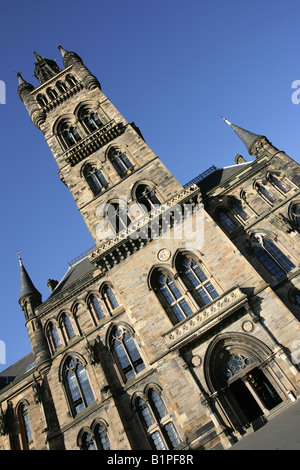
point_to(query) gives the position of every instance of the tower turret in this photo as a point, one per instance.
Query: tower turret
(36, 114)
(45, 69)
(30, 299)
(255, 143)
(71, 58)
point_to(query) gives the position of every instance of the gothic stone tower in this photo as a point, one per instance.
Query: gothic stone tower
(158, 338)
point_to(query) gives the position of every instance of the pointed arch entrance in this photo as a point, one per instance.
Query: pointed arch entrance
(238, 374)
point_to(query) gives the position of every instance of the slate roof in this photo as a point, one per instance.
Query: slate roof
(219, 176)
(16, 371)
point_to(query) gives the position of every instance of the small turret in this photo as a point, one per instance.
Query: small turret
(71, 58)
(30, 299)
(36, 114)
(250, 140)
(45, 69)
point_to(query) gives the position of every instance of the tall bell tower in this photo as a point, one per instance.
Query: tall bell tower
(102, 158)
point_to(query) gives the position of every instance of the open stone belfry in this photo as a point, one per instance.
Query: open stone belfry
(178, 329)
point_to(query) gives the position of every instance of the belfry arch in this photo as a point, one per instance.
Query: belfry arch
(239, 375)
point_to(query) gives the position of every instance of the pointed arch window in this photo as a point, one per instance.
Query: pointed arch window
(170, 296)
(90, 120)
(120, 161)
(227, 221)
(196, 280)
(87, 442)
(109, 297)
(95, 438)
(265, 193)
(79, 391)
(147, 197)
(280, 182)
(53, 337)
(24, 420)
(295, 211)
(68, 326)
(271, 257)
(118, 217)
(157, 422)
(239, 211)
(126, 353)
(68, 135)
(101, 437)
(95, 179)
(95, 307)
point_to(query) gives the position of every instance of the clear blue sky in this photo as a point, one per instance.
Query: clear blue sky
(171, 66)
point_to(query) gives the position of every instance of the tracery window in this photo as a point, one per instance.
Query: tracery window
(118, 217)
(147, 197)
(196, 280)
(236, 363)
(26, 432)
(90, 120)
(79, 391)
(170, 296)
(126, 352)
(68, 134)
(95, 178)
(119, 160)
(271, 257)
(156, 420)
(95, 438)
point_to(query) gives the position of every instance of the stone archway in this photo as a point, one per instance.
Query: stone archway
(236, 372)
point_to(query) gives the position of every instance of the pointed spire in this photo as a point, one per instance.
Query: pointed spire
(248, 138)
(45, 68)
(68, 57)
(23, 86)
(27, 287)
(37, 57)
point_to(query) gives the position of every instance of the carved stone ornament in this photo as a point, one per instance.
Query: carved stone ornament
(164, 254)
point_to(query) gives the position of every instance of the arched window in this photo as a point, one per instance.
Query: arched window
(101, 437)
(71, 80)
(90, 120)
(25, 426)
(53, 337)
(239, 211)
(62, 88)
(196, 280)
(51, 93)
(271, 257)
(265, 193)
(226, 221)
(95, 178)
(280, 183)
(170, 296)
(95, 307)
(95, 438)
(87, 442)
(118, 217)
(295, 213)
(78, 388)
(126, 353)
(119, 160)
(68, 135)
(109, 298)
(146, 197)
(67, 327)
(42, 100)
(157, 422)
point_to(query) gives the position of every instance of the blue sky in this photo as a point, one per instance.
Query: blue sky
(171, 67)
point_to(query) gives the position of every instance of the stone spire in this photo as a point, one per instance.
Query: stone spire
(45, 68)
(248, 138)
(23, 88)
(27, 287)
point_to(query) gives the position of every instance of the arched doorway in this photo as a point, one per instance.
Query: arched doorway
(237, 373)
